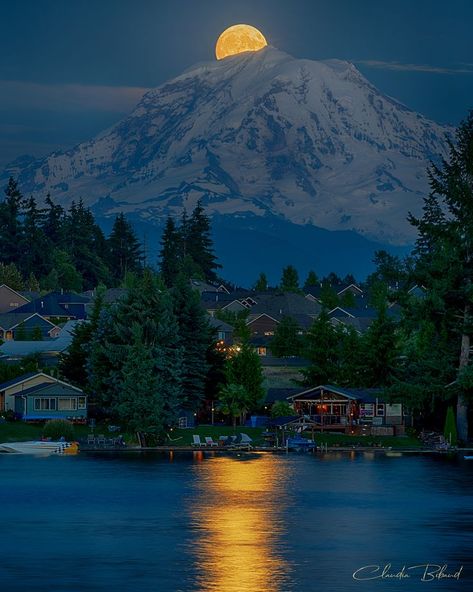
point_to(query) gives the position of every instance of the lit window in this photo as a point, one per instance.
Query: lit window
(261, 351)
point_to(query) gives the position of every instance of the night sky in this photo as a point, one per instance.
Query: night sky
(70, 68)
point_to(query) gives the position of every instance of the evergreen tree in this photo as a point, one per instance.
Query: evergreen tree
(261, 283)
(87, 246)
(124, 249)
(312, 280)
(73, 363)
(380, 351)
(10, 276)
(287, 340)
(139, 404)
(170, 256)
(35, 246)
(194, 331)
(445, 249)
(328, 296)
(10, 225)
(245, 369)
(321, 348)
(290, 279)
(199, 243)
(54, 223)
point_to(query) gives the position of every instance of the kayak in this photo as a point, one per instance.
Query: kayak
(40, 447)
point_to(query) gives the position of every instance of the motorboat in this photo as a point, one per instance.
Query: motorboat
(41, 447)
(299, 444)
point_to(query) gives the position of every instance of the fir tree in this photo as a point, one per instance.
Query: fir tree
(10, 225)
(124, 250)
(321, 348)
(245, 369)
(312, 280)
(289, 280)
(199, 243)
(170, 256)
(10, 276)
(261, 283)
(287, 340)
(35, 246)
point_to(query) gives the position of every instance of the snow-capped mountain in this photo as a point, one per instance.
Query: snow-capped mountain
(258, 134)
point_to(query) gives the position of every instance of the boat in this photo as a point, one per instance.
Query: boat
(41, 447)
(299, 444)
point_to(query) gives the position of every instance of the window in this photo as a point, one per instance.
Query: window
(221, 336)
(269, 333)
(14, 304)
(64, 404)
(41, 404)
(81, 403)
(261, 351)
(380, 409)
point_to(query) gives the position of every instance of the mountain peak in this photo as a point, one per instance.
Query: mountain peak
(257, 134)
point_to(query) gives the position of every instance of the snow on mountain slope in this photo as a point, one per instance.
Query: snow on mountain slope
(312, 142)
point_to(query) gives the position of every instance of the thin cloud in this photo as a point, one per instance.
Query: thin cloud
(399, 67)
(17, 94)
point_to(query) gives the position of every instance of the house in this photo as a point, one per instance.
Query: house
(220, 299)
(350, 410)
(349, 288)
(58, 305)
(224, 331)
(24, 325)
(10, 300)
(36, 396)
(48, 350)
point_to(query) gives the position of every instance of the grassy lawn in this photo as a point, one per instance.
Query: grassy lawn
(185, 437)
(19, 431)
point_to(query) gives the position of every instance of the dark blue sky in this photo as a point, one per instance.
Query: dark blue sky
(69, 68)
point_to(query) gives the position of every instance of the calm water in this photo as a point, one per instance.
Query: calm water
(249, 523)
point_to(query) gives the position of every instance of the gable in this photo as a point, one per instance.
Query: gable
(23, 383)
(10, 300)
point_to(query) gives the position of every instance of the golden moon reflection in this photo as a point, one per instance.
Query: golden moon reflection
(237, 39)
(239, 528)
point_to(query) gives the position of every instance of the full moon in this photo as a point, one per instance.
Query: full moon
(237, 39)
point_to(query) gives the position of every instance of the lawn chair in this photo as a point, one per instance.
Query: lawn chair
(197, 442)
(210, 442)
(90, 440)
(101, 440)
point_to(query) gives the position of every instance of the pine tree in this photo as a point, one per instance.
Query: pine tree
(312, 280)
(261, 283)
(289, 280)
(139, 404)
(245, 369)
(124, 249)
(321, 348)
(445, 248)
(10, 225)
(170, 256)
(35, 246)
(195, 333)
(199, 243)
(287, 340)
(10, 276)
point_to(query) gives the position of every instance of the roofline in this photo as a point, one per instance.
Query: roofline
(263, 314)
(231, 302)
(343, 310)
(31, 316)
(15, 292)
(349, 286)
(322, 386)
(48, 376)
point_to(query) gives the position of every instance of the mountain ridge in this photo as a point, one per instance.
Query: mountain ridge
(258, 134)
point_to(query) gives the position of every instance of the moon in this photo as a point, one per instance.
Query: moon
(238, 39)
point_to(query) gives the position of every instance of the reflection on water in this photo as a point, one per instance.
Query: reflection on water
(238, 517)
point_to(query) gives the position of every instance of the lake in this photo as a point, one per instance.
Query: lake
(209, 522)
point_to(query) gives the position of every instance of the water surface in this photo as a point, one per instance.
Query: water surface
(209, 522)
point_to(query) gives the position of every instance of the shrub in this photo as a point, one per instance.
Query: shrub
(58, 428)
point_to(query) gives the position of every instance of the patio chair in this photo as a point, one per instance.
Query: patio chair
(210, 442)
(101, 440)
(245, 439)
(90, 440)
(197, 442)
